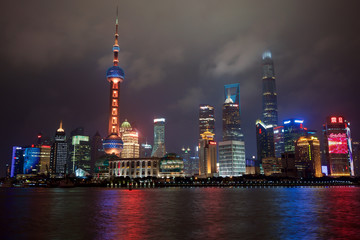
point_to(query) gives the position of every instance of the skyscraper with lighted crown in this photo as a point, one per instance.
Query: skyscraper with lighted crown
(113, 143)
(270, 111)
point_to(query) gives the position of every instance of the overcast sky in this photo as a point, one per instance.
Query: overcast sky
(176, 55)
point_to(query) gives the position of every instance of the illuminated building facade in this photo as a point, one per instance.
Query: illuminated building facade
(307, 157)
(207, 155)
(231, 122)
(115, 75)
(134, 167)
(206, 119)
(232, 160)
(31, 160)
(172, 165)
(279, 141)
(80, 154)
(59, 153)
(338, 146)
(271, 166)
(293, 130)
(188, 166)
(44, 161)
(145, 150)
(356, 158)
(130, 138)
(17, 161)
(232, 149)
(159, 138)
(270, 110)
(264, 140)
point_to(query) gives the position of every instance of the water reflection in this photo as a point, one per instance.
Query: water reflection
(181, 213)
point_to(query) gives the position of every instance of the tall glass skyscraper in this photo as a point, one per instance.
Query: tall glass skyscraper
(59, 153)
(232, 148)
(159, 138)
(270, 111)
(206, 119)
(231, 121)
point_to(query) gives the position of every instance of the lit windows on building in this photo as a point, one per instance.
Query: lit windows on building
(232, 160)
(159, 138)
(206, 118)
(337, 142)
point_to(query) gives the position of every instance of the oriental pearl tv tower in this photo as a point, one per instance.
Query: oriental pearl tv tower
(113, 143)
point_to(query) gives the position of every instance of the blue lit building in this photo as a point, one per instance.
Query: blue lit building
(17, 161)
(232, 91)
(279, 141)
(293, 130)
(31, 160)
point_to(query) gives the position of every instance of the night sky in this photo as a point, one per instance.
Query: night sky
(176, 55)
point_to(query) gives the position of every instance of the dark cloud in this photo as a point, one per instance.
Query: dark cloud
(176, 55)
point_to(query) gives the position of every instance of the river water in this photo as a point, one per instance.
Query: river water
(180, 213)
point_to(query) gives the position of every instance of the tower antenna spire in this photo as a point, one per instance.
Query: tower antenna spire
(116, 47)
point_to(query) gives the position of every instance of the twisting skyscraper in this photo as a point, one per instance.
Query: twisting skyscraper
(270, 111)
(113, 144)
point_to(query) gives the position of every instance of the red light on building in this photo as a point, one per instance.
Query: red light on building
(333, 119)
(212, 143)
(341, 120)
(260, 131)
(301, 125)
(39, 136)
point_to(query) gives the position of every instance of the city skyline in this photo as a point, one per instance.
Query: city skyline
(71, 87)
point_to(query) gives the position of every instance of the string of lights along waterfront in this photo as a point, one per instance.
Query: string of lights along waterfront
(286, 150)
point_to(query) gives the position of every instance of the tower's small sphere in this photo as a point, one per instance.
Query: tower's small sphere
(113, 144)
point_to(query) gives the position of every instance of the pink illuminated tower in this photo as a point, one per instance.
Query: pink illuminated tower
(113, 144)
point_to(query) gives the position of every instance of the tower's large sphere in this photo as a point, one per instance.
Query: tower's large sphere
(115, 72)
(113, 144)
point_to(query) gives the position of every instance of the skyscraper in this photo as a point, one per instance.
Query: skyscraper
(264, 140)
(17, 161)
(80, 154)
(159, 138)
(293, 129)
(231, 121)
(59, 153)
(113, 144)
(207, 155)
(232, 91)
(97, 150)
(206, 119)
(279, 141)
(307, 157)
(232, 160)
(270, 111)
(338, 146)
(130, 138)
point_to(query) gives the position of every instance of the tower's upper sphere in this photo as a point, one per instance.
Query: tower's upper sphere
(113, 144)
(115, 72)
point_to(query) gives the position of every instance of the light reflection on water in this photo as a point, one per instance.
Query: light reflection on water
(181, 213)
